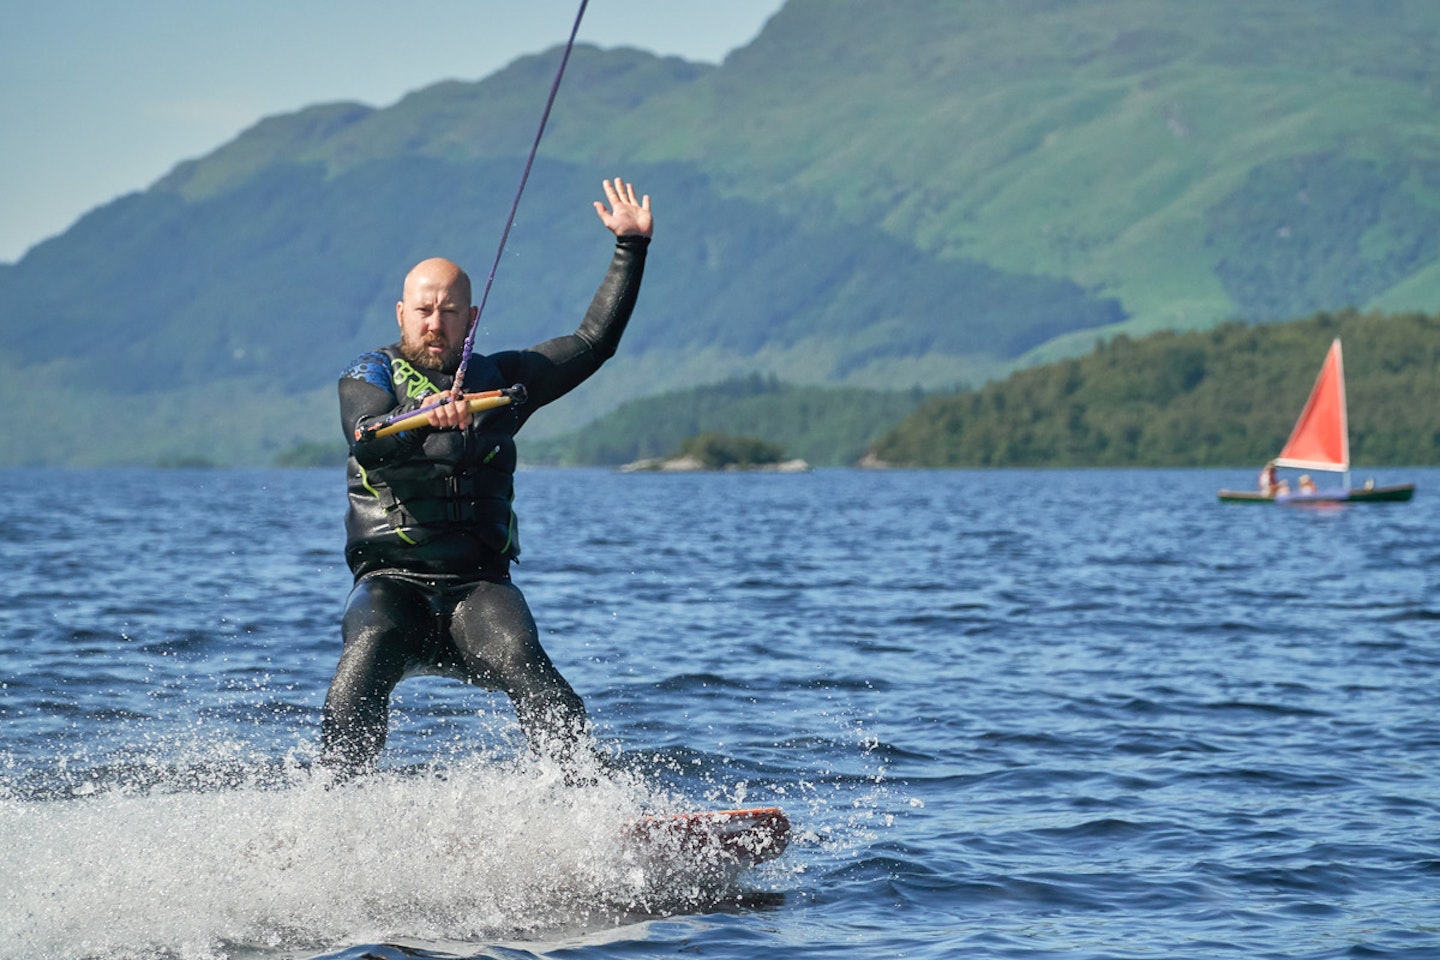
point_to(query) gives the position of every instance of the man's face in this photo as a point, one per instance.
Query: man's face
(434, 316)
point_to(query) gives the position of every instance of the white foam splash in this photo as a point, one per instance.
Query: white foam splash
(476, 852)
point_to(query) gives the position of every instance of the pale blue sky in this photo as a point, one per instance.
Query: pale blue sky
(99, 98)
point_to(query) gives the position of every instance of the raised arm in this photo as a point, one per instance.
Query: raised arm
(554, 368)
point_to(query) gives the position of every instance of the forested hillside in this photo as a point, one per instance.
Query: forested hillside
(825, 426)
(1223, 397)
(918, 194)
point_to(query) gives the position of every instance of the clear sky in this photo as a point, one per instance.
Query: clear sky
(99, 98)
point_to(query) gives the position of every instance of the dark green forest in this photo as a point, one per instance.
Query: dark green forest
(825, 426)
(1223, 397)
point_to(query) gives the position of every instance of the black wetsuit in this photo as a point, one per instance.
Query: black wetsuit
(430, 533)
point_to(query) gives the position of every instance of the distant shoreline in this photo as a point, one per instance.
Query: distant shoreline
(693, 464)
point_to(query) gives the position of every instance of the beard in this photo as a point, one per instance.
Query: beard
(418, 353)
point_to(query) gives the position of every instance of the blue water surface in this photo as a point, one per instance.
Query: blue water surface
(1038, 714)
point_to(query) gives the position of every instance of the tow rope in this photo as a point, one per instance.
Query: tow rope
(524, 177)
(515, 394)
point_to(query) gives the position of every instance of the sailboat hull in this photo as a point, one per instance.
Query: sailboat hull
(1398, 493)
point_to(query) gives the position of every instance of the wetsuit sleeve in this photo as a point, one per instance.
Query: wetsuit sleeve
(552, 369)
(367, 395)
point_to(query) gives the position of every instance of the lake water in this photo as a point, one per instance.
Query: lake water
(1037, 714)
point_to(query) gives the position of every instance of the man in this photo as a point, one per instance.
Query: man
(430, 530)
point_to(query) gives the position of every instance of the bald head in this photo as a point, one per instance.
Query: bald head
(435, 314)
(435, 273)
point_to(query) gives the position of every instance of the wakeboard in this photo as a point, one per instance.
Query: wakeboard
(741, 838)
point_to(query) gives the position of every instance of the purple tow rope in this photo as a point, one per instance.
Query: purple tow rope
(534, 148)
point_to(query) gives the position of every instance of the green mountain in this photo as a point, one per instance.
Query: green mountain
(915, 194)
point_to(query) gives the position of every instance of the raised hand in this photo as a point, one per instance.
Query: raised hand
(625, 215)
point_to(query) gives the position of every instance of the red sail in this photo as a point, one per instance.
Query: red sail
(1321, 438)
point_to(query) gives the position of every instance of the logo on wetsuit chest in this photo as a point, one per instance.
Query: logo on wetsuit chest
(413, 382)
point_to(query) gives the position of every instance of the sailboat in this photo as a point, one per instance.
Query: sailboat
(1321, 442)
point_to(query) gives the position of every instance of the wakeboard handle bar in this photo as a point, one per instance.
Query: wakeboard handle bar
(478, 402)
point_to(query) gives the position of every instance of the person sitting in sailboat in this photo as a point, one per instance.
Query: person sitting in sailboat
(1267, 479)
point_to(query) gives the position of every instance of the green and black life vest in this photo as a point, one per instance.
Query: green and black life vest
(445, 505)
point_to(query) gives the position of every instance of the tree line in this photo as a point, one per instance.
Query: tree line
(825, 426)
(1228, 396)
